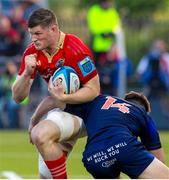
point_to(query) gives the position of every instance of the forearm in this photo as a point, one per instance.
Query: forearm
(21, 88)
(45, 106)
(88, 92)
(85, 94)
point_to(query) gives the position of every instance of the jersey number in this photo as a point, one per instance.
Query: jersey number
(110, 103)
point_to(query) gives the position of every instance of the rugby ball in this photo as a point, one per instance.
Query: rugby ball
(69, 78)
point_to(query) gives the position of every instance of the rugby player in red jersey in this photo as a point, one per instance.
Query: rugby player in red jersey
(51, 48)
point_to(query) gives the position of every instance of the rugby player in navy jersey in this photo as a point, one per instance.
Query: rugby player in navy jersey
(113, 127)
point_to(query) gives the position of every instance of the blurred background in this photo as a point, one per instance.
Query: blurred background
(130, 43)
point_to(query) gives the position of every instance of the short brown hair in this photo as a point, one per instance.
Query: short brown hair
(138, 98)
(42, 17)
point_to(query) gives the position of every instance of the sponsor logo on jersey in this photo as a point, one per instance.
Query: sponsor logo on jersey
(86, 66)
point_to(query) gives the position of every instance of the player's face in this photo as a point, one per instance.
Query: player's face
(41, 37)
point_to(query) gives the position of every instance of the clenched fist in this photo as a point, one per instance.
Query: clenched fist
(30, 63)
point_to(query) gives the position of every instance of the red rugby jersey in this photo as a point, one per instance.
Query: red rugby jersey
(71, 51)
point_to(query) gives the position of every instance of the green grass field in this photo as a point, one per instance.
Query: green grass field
(19, 157)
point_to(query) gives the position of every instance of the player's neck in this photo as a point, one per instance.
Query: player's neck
(55, 46)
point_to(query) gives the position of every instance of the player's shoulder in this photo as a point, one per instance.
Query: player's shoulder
(71, 38)
(75, 46)
(30, 49)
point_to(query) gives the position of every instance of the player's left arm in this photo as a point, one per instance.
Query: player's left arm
(82, 60)
(86, 93)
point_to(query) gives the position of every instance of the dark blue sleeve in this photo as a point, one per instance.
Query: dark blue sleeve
(149, 134)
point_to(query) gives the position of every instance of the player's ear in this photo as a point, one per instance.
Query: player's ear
(54, 28)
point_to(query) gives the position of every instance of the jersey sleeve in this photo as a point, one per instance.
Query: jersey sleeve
(81, 59)
(86, 68)
(150, 136)
(22, 65)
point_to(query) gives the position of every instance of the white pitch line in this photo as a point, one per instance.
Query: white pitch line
(10, 175)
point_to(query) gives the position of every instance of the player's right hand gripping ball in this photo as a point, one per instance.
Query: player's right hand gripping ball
(69, 78)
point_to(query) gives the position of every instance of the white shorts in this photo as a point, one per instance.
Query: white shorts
(65, 122)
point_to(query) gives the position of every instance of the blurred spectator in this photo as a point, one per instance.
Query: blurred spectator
(9, 38)
(13, 40)
(103, 22)
(10, 106)
(19, 24)
(6, 7)
(110, 75)
(153, 75)
(29, 6)
(153, 69)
